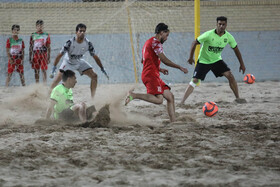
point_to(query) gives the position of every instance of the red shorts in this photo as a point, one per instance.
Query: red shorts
(16, 65)
(155, 85)
(40, 60)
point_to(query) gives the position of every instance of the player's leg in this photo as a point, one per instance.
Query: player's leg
(11, 68)
(44, 74)
(232, 83)
(36, 67)
(44, 66)
(9, 75)
(20, 70)
(220, 69)
(93, 84)
(154, 92)
(155, 99)
(37, 75)
(168, 95)
(22, 80)
(80, 109)
(199, 74)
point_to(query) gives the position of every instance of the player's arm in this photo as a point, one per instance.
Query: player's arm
(56, 61)
(192, 50)
(240, 59)
(8, 47)
(49, 52)
(164, 71)
(50, 108)
(22, 52)
(49, 48)
(99, 63)
(9, 55)
(22, 56)
(169, 63)
(31, 49)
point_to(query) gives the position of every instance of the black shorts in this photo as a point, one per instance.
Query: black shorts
(218, 68)
(68, 115)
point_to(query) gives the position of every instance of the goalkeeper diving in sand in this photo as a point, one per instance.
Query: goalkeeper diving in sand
(74, 50)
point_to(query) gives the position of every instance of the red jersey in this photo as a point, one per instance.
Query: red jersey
(39, 41)
(16, 46)
(151, 62)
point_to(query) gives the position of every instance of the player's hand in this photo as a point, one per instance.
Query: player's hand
(164, 71)
(105, 73)
(53, 72)
(242, 68)
(191, 61)
(185, 70)
(12, 61)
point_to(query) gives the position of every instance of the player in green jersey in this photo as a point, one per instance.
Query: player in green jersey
(61, 101)
(213, 43)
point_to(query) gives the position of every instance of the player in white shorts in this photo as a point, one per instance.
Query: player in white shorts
(74, 51)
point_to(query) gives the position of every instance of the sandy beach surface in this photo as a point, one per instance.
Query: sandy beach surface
(240, 146)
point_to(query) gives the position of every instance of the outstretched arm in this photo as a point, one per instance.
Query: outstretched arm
(192, 50)
(239, 56)
(56, 61)
(169, 63)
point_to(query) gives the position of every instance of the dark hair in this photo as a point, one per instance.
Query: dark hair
(67, 74)
(161, 27)
(39, 22)
(15, 26)
(80, 25)
(221, 18)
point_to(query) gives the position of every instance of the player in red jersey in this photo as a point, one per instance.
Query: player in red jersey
(15, 52)
(152, 55)
(40, 51)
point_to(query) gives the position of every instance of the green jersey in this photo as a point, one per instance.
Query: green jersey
(213, 45)
(63, 97)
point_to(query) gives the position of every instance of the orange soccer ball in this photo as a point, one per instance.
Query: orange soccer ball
(210, 109)
(249, 79)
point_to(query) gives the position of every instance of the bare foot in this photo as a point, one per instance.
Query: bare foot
(240, 101)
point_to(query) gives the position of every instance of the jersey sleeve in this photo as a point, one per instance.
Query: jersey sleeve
(157, 47)
(66, 47)
(8, 45)
(232, 41)
(91, 49)
(202, 38)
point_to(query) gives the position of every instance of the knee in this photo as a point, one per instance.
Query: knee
(93, 76)
(195, 82)
(229, 76)
(83, 104)
(159, 101)
(170, 97)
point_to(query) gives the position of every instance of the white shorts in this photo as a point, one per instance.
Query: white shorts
(81, 66)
